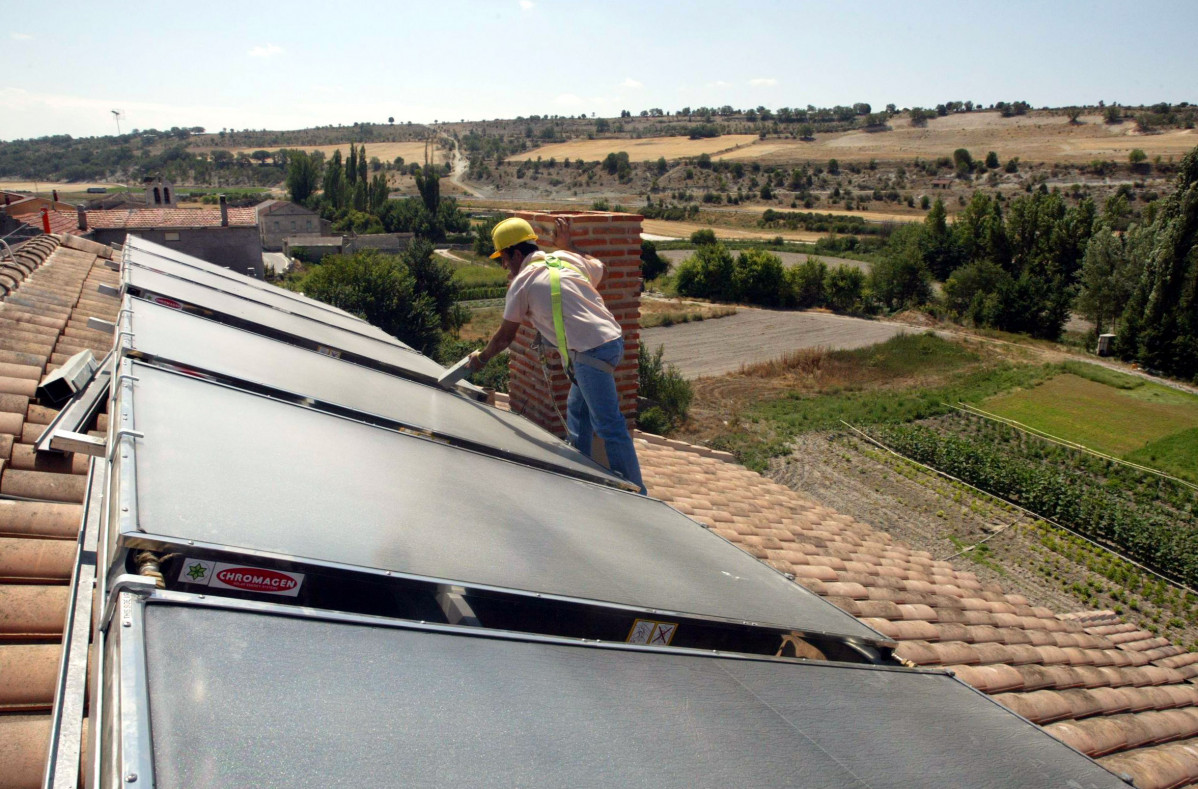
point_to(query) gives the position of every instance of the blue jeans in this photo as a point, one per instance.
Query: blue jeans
(594, 407)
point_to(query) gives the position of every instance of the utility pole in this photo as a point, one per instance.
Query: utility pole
(116, 116)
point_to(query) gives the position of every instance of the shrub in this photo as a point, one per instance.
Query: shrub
(653, 265)
(707, 274)
(703, 237)
(758, 278)
(663, 385)
(844, 287)
(806, 283)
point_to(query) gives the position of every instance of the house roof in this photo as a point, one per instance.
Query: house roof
(180, 218)
(44, 323)
(1108, 689)
(60, 221)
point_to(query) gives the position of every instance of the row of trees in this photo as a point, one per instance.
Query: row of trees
(1025, 268)
(757, 276)
(356, 201)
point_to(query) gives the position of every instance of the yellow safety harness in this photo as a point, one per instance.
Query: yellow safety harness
(555, 266)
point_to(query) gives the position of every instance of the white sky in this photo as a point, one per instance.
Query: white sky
(64, 66)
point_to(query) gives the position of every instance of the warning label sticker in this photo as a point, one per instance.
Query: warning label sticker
(654, 634)
(220, 575)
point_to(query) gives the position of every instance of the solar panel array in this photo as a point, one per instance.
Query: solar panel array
(367, 579)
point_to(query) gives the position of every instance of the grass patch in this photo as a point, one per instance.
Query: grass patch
(482, 324)
(1103, 375)
(1116, 421)
(653, 315)
(1176, 454)
(906, 378)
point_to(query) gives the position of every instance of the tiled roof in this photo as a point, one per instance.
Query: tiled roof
(1108, 689)
(181, 218)
(43, 321)
(60, 221)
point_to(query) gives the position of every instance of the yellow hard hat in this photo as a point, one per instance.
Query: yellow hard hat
(510, 232)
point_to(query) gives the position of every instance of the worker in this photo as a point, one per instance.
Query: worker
(558, 293)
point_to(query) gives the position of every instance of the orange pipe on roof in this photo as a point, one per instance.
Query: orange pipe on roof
(46, 220)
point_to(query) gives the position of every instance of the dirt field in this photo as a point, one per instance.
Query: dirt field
(666, 229)
(1033, 138)
(44, 187)
(647, 149)
(754, 335)
(386, 151)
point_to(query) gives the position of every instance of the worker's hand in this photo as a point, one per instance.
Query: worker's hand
(561, 233)
(476, 362)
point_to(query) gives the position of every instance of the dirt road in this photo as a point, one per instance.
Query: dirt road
(754, 335)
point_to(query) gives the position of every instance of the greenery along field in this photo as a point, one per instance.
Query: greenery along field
(1121, 415)
(1151, 519)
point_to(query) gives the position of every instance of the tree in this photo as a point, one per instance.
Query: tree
(381, 290)
(844, 287)
(260, 156)
(1160, 323)
(703, 237)
(1104, 288)
(806, 283)
(992, 160)
(334, 182)
(434, 280)
(351, 167)
(758, 278)
(653, 265)
(963, 162)
(833, 167)
(1113, 114)
(938, 245)
(1073, 113)
(303, 175)
(391, 119)
(901, 279)
(707, 274)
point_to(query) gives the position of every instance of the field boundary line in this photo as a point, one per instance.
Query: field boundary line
(1024, 510)
(1046, 436)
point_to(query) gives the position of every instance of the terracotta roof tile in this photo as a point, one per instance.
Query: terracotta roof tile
(131, 218)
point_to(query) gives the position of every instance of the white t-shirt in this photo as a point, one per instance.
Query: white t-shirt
(587, 320)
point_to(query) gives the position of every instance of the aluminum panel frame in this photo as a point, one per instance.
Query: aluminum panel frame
(175, 337)
(333, 340)
(164, 260)
(247, 694)
(424, 509)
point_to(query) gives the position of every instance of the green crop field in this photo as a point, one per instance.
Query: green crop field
(1116, 415)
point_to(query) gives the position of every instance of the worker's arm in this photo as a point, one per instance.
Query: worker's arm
(498, 344)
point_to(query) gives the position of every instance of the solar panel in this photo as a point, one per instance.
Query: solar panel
(271, 297)
(256, 316)
(263, 476)
(163, 253)
(241, 696)
(195, 342)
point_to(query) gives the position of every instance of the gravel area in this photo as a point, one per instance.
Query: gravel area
(754, 335)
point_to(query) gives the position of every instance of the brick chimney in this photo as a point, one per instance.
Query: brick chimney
(616, 240)
(81, 213)
(224, 212)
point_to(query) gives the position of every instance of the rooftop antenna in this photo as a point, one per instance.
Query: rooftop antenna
(116, 116)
